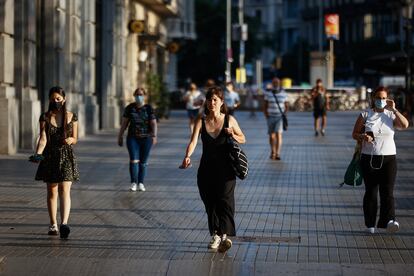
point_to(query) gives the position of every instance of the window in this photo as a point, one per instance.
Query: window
(259, 15)
(291, 8)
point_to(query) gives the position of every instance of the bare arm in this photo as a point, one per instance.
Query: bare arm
(154, 128)
(192, 145)
(358, 132)
(327, 103)
(74, 138)
(400, 121)
(124, 125)
(235, 130)
(265, 106)
(41, 144)
(286, 107)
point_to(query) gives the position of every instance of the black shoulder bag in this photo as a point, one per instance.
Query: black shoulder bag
(284, 117)
(238, 158)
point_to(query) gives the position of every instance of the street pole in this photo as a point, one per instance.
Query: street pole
(242, 45)
(331, 64)
(229, 53)
(320, 26)
(408, 39)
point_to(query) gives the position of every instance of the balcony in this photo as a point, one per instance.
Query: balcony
(166, 8)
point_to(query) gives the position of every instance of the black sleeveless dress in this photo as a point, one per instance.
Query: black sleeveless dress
(216, 182)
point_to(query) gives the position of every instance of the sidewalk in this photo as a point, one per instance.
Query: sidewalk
(291, 217)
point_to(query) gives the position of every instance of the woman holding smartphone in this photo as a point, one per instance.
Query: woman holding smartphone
(374, 129)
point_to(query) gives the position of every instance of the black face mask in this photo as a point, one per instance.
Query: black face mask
(56, 105)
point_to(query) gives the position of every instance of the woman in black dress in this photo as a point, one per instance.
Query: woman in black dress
(58, 167)
(216, 179)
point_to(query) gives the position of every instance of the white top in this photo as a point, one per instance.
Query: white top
(272, 108)
(193, 99)
(382, 125)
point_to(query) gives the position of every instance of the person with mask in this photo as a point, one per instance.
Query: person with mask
(320, 106)
(142, 135)
(57, 162)
(374, 130)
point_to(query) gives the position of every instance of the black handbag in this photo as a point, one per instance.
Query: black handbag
(284, 117)
(238, 158)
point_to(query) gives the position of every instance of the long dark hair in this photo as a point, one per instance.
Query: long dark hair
(59, 90)
(373, 94)
(215, 90)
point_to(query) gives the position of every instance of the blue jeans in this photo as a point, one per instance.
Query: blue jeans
(138, 149)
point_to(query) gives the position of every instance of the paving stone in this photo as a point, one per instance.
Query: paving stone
(290, 215)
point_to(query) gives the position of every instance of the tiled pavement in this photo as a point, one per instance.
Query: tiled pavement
(291, 217)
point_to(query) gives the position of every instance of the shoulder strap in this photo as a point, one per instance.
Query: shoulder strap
(277, 102)
(226, 121)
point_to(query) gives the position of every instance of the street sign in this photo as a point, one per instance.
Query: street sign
(241, 75)
(332, 26)
(244, 32)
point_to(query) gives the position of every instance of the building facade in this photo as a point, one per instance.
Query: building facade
(87, 48)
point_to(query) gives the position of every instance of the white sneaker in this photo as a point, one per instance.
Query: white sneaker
(393, 226)
(141, 187)
(371, 230)
(214, 243)
(225, 245)
(133, 187)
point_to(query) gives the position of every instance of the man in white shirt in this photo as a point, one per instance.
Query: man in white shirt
(231, 98)
(275, 103)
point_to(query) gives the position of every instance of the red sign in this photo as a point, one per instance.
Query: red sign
(332, 26)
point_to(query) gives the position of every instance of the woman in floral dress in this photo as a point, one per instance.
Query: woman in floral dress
(58, 167)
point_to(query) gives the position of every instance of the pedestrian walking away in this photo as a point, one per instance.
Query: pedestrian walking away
(275, 104)
(216, 179)
(142, 135)
(320, 106)
(57, 161)
(194, 99)
(231, 98)
(252, 102)
(374, 129)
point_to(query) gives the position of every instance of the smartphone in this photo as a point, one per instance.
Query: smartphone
(370, 133)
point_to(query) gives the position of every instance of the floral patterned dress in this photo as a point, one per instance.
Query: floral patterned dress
(59, 162)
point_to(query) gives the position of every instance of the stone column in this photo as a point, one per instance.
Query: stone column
(75, 62)
(25, 72)
(9, 119)
(56, 70)
(114, 55)
(110, 108)
(89, 61)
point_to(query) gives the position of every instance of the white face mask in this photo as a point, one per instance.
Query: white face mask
(380, 103)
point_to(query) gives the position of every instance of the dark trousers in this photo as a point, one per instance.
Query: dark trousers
(218, 199)
(381, 180)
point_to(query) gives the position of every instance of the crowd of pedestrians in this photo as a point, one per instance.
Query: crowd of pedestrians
(211, 117)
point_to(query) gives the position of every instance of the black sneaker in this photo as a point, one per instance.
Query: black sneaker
(64, 231)
(224, 245)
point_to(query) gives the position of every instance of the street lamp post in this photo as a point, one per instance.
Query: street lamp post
(229, 54)
(408, 38)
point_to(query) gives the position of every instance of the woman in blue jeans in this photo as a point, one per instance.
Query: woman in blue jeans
(142, 134)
